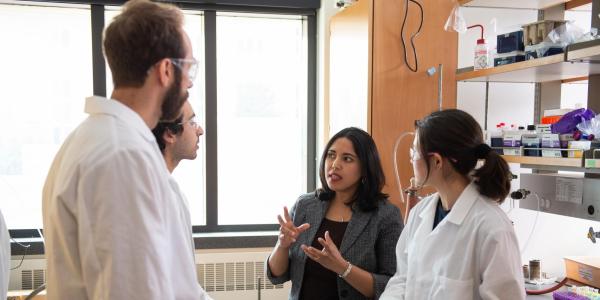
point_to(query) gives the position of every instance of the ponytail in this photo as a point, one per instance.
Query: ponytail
(493, 178)
(456, 135)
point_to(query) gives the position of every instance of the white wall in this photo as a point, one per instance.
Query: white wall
(328, 9)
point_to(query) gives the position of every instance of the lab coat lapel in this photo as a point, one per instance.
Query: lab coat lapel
(357, 224)
(424, 225)
(427, 216)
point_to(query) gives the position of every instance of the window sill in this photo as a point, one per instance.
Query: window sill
(229, 240)
(215, 240)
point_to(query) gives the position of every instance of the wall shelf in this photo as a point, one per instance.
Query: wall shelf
(545, 69)
(550, 163)
(584, 52)
(545, 161)
(523, 4)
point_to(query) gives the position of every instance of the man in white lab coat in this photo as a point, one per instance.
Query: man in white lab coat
(111, 219)
(179, 140)
(4, 257)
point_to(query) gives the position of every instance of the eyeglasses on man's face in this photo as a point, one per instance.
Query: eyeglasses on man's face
(190, 63)
(194, 122)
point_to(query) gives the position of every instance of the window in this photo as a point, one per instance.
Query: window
(47, 73)
(261, 115)
(189, 174)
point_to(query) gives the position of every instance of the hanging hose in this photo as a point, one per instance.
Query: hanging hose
(412, 37)
(394, 155)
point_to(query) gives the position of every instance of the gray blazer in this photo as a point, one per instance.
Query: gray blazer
(369, 243)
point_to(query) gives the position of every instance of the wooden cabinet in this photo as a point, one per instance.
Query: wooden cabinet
(367, 62)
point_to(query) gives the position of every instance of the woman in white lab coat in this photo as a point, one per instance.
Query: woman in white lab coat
(457, 243)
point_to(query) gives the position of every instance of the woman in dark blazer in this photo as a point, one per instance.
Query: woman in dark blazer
(339, 241)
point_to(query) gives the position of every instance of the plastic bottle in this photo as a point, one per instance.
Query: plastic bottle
(482, 51)
(482, 55)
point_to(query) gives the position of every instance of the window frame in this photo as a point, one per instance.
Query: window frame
(210, 8)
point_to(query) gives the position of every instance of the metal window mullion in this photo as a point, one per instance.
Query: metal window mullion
(312, 103)
(98, 64)
(210, 63)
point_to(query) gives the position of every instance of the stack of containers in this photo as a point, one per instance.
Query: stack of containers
(497, 138)
(531, 139)
(510, 48)
(512, 140)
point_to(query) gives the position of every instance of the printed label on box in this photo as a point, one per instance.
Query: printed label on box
(586, 273)
(592, 163)
(551, 153)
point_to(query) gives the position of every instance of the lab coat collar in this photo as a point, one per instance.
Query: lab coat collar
(463, 204)
(430, 206)
(101, 105)
(461, 208)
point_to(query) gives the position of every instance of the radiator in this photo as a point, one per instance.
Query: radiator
(30, 275)
(227, 274)
(233, 275)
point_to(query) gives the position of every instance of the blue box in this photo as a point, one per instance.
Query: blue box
(510, 58)
(510, 42)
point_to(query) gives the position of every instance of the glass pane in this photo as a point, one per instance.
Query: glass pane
(47, 73)
(189, 174)
(262, 107)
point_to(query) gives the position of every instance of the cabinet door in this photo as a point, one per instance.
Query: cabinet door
(401, 96)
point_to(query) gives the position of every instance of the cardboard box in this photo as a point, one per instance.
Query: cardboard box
(551, 140)
(585, 269)
(581, 145)
(592, 158)
(535, 33)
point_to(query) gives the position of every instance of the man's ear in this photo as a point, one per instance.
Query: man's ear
(169, 137)
(165, 71)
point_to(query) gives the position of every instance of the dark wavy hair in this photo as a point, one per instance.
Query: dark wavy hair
(455, 134)
(372, 181)
(174, 127)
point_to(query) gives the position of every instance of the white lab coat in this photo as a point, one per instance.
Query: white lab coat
(472, 253)
(111, 220)
(4, 258)
(185, 222)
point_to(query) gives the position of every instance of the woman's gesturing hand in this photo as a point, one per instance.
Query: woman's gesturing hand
(329, 257)
(288, 232)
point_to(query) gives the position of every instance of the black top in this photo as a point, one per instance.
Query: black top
(440, 214)
(319, 282)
